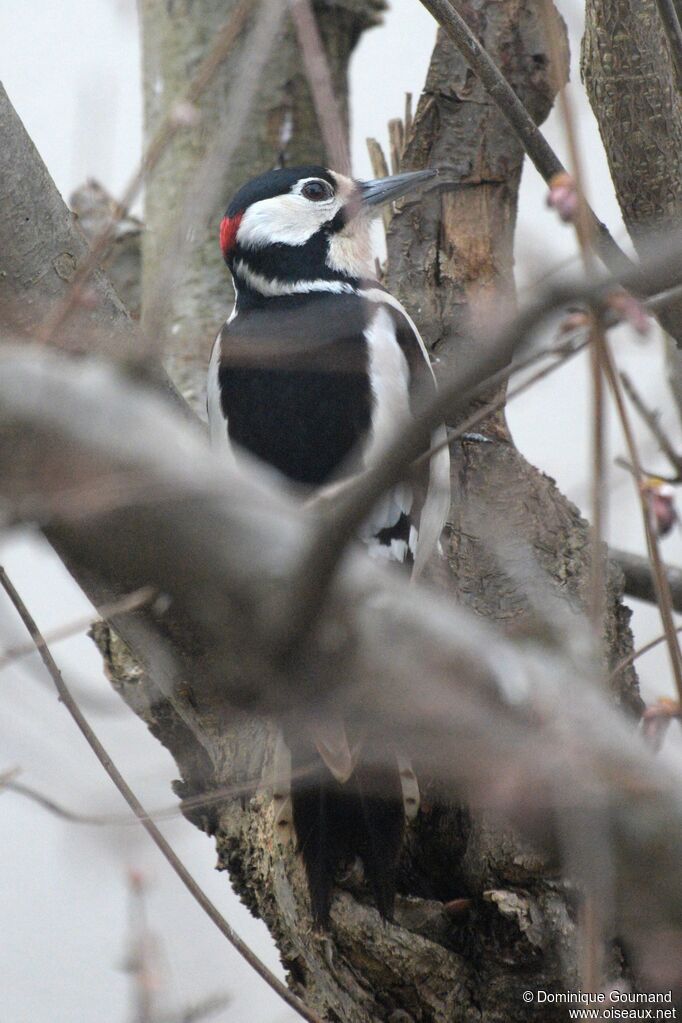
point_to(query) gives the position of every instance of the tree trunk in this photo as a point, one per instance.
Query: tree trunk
(629, 76)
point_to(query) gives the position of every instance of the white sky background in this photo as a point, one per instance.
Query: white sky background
(72, 72)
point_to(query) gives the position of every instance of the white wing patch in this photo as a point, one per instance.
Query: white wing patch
(437, 504)
(390, 383)
(217, 423)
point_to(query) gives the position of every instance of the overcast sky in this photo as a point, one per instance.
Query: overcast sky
(72, 71)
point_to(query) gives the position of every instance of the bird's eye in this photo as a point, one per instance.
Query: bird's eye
(316, 191)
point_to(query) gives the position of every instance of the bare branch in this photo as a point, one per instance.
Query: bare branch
(499, 736)
(131, 602)
(652, 419)
(320, 81)
(201, 801)
(660, 580)
(48, 249)
(640, 651)
(639, 581)
(53, 807)
(492, 356)
(181, 112)
(166, 850)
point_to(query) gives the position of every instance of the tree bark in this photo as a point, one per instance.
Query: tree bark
(175, 37)
(451, 261)
(42, 244)
(630, 79)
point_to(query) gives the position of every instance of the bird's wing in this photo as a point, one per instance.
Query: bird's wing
(318, 385)
(217, 421)
(411, 516)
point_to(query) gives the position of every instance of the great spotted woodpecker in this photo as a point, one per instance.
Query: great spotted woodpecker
(315, 370)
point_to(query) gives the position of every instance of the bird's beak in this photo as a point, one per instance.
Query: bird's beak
(381, 190)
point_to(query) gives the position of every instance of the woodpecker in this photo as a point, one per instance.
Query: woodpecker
(314, 372)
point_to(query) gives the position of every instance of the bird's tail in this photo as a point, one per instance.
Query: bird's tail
(334, 822)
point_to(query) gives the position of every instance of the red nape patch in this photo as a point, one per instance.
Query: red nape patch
(228, 232)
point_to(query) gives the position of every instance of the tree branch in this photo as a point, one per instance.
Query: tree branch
(639, 581)
(471, 735)
(455, 394)
(652, 420)
(131, 799)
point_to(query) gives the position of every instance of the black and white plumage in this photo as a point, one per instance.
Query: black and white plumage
(314, 372)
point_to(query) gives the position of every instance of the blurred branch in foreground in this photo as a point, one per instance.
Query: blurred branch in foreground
(510, 732)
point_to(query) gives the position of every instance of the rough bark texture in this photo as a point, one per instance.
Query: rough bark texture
(41, 244)
(629, 75)
(176, 35)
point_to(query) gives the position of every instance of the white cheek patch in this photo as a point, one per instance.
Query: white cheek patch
(285, 219)
(350, 250)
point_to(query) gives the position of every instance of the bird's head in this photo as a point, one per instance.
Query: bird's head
(305, 229)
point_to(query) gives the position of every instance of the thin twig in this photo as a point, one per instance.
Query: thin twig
(659, 577)
(9, 785)
(407, 117)
(131, 602)
(319, 78)
(198, 802)
(636, 654)
(673, 31)
(652, 420)
(140, 955)
(131, 799)
(590, 917)
(561, 353)
(194, 1013)
(584, 227)
(638, 577)
(175, 121)
(510, 106)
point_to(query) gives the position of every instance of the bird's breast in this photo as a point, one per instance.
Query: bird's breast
(295, 387)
